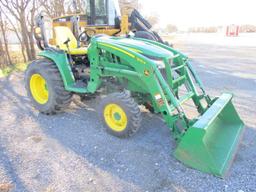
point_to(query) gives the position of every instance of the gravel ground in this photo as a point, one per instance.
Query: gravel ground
(72, 152)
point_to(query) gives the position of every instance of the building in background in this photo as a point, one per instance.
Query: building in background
(232, 30)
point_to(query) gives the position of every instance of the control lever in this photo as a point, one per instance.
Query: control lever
(66, 43)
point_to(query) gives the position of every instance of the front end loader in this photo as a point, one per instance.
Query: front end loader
(139, 72)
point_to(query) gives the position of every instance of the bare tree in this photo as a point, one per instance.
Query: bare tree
(53, 8)
(13, 28)
(5, 49)
(3, 59)
(31, 24)
(22, 11)
(127, 6)
(77, 6)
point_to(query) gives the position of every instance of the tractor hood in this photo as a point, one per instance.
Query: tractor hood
(139, 46)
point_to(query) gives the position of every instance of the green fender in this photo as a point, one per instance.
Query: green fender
(60, 59)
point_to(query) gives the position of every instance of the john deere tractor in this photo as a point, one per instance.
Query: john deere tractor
(139, 72)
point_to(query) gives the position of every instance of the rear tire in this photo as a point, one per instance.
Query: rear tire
(128, 119)
(54, 98)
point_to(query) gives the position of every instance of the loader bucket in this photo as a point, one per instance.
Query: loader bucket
(210, 143)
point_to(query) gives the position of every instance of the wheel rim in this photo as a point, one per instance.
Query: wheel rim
(38, 88)
(115, 117)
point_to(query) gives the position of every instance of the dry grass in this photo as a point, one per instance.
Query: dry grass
(16, 67)
(19, 65)
(16, 56)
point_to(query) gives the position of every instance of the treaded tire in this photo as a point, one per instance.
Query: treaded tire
(129, 106)
(58, 98)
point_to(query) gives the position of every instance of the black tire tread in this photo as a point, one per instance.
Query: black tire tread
(130, 106)
(62, 98)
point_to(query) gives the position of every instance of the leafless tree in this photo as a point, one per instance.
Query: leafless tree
(31, 24)
(12, 27)
(53, 8)
(77, 6)
(127, 6)
(5, 54)
(22, 11)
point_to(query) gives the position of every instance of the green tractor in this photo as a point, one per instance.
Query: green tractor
(139, 72)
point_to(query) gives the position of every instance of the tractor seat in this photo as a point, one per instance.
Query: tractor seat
(62, 34)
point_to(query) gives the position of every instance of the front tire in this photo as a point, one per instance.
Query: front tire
(120, 114)
(45, 87)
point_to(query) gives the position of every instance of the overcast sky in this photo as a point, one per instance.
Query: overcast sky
(186, 13)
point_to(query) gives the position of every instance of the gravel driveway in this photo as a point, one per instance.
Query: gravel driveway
(72, 152)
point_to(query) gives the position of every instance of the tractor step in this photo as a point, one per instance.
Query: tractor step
(78, 87)
(80, 84)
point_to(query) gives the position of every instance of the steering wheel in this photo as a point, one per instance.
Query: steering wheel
(86, 35)
(90, 32)
(83, 37)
